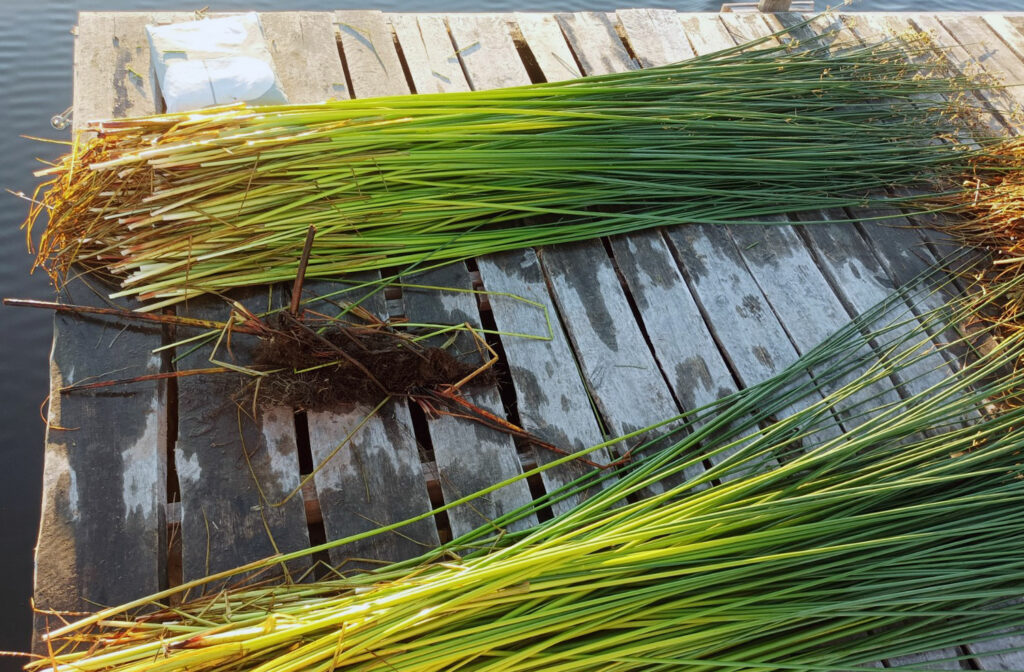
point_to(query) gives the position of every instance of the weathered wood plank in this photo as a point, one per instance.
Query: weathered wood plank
(104, 474)
(706, 32)
(482, 42)
(305, 55)
(798, 287)
(550, 395)
(377, 477)
(469, 456)
(741, 318)
(234, 462)
(543, 37)
(655, 36)
(981, 42)
(614, 357)
(595, 41)
(369, 51)
(433, 64)
(104, 479)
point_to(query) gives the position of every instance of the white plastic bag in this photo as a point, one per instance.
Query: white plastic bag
(214, 62)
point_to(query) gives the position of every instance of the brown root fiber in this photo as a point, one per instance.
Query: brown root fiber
(347, 364)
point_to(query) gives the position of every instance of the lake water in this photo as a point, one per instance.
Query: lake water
(35, 84)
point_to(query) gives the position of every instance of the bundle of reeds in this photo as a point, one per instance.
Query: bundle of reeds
(172, 206)
(993, 209)
(901, 535)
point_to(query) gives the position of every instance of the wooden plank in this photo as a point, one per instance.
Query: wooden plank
(305, 55)
(818, 307)
(482, 42)
(655, 36)
(104, 479)
(550, 396)
(543, 37)
(806, 304)
(595, 41)
(234, 462)
(469, 455)
(706, 32)
(978, 39)
(858, 276)
(433, 64)
(369, 51)
(104, 474)
(113, 77)
(614, 357)
(377, 477)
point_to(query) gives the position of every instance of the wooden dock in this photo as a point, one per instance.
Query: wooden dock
(147, 486)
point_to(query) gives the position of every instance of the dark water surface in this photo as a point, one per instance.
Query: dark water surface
(35, 84)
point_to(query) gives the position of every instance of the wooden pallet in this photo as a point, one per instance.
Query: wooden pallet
(149, 486)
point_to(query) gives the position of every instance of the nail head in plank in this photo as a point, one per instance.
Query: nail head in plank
(469, 455)
(234, 465)
(433, 64)
(369, 49)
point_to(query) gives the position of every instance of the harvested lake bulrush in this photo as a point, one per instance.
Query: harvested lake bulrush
(172, 206)
(900, 535)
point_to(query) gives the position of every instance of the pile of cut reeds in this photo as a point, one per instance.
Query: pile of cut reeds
(993, 209)
(172, 206)
(802, 549)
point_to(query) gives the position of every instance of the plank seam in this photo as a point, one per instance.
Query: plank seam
(458, 54)
(406, 71)
(344, 65)
(526, 55)
(170, 573)
(565, 36)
